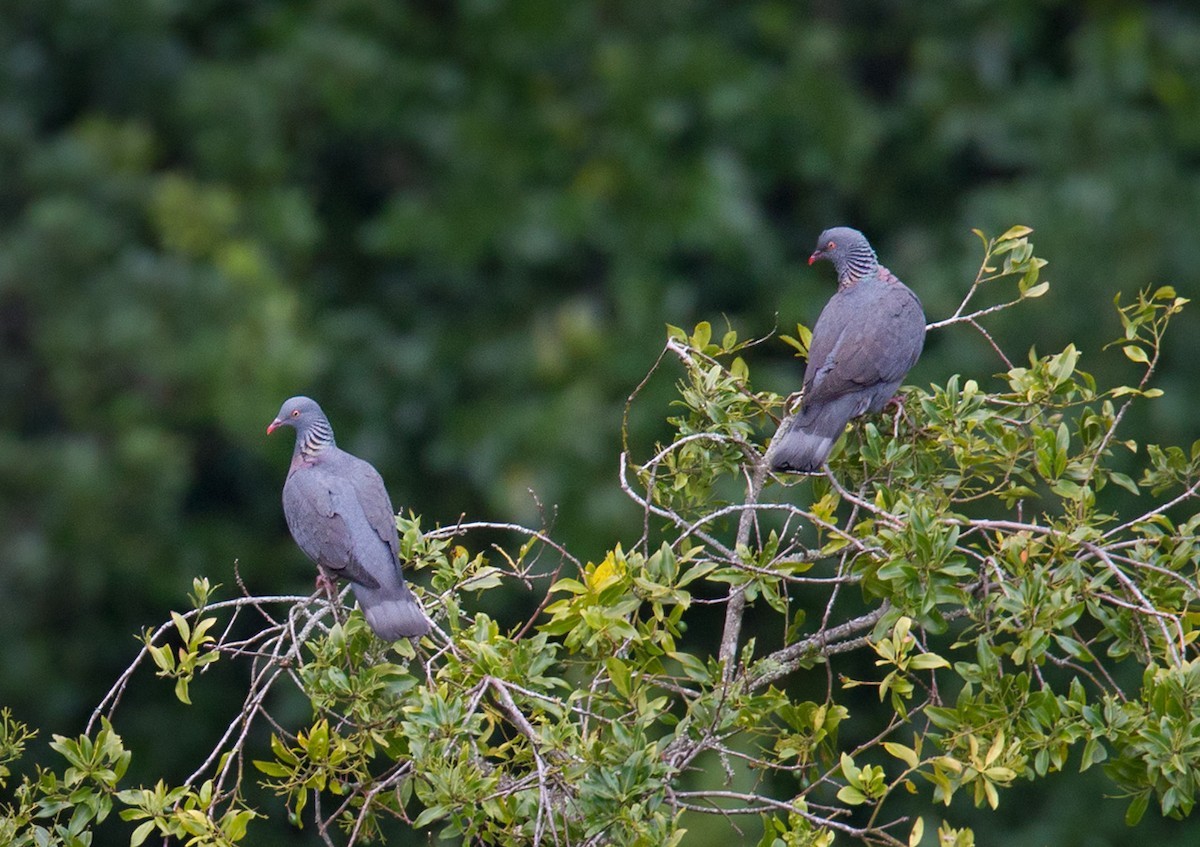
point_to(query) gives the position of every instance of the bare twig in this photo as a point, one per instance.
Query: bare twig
(827, 642)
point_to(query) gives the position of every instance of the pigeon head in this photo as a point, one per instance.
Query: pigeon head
(305, 416)
(849, 251)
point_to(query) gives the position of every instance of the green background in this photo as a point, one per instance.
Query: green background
(462, 227)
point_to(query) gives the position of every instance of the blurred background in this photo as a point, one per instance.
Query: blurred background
(462, 227)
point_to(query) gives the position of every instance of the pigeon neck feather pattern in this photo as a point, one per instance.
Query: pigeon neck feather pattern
(315, 438)
(858, 262)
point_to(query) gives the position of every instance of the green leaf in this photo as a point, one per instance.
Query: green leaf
(1124, 481)
(1018, 231)
(141, 833)
(235, 824)
(1137, 808)
(1073, 648)
(181, 624)
(851, 796)
(904, 754)
(692, 667)
(851, 771)
(928, 661)
(433, 813)
(993, 796)
(917, 833)
(1093, 753)
(801, 349)
(618, 672)
(271, 768)
(1135, 354)
(164, 658)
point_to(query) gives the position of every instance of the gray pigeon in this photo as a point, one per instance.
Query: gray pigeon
(868, 336)
(339, 513)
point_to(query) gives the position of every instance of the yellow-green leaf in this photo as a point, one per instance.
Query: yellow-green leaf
(851, 796)
(1135, 354)
(181, 624)
(618, 672)
(141, 833)
(928, 661)
(904, 754)
(1018, 231)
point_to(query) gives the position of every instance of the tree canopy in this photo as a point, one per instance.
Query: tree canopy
(1017, 613)
(462, 228)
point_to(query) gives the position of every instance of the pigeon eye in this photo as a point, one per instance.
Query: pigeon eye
(831, 245)
(295, 413)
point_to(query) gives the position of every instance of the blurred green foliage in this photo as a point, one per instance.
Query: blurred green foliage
(462, 227)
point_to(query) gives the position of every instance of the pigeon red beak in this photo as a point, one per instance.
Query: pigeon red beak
(816, 256)
(274, 425)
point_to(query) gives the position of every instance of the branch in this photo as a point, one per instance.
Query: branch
(545, 800)
(762, 804)
(736, 606)
(821, 644)
(669, 515)
(463, 527)
(1157, 510)
(108, 703)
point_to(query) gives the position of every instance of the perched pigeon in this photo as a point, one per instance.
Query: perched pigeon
(339, 513)
(868, 336)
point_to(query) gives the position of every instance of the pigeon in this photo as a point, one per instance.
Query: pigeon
(338, 511)
(866, 339)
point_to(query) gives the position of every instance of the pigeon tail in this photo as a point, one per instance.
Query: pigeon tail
(392, 615)
(806, 439)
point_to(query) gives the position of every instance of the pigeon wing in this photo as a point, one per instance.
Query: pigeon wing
(320, 510)
(868, 335)
(373, 497)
